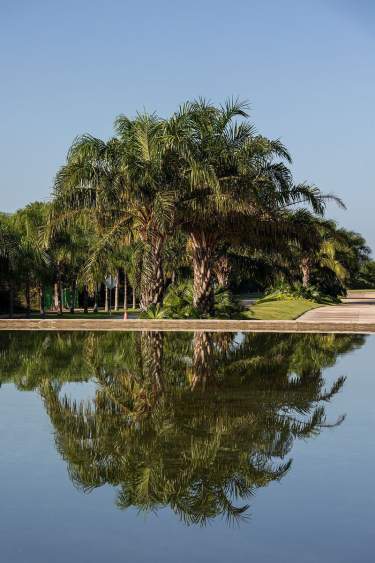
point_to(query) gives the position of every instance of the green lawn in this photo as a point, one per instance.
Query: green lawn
(279, 309)
(361, 290)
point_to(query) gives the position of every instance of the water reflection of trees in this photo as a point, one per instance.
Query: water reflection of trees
(195, 422)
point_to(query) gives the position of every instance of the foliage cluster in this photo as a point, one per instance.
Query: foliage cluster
(284, 290)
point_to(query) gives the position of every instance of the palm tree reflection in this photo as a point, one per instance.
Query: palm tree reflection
(194, 423)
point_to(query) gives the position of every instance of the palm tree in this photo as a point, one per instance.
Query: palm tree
(34, 261)
(24, 262)
(319, 246)
(128, 186)
(236, 186)
(355, 253)
(9, 241)
(69, 245)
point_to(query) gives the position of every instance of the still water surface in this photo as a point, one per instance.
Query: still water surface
(182, 447)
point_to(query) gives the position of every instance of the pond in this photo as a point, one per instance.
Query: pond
(174, 447)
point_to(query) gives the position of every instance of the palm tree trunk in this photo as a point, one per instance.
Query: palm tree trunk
(41, 302)
(106, 303)
(60, 291)
(56, 297)
(223, 271)
(27, 298)
(72, 303)
(96, 298)
(152, 359)
(134, 298)
(306, 271)
(11, 299)
(85, 300)
(202, 258)
(125, 291)
(117, 288)
(202, 359)
(152, 282)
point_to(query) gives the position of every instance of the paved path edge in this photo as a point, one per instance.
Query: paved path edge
(184, 325)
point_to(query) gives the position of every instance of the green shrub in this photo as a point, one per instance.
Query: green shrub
(227, 306)
(297, 291)
(153, 312)
(178, 303)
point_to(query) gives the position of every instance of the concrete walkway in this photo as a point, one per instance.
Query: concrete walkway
(356, 308)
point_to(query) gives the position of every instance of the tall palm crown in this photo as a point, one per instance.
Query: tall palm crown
(149, 174)
(235, 176)
(128, 184)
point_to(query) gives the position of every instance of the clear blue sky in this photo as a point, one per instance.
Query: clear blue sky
(306, 66)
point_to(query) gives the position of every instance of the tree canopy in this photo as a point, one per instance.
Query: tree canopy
(195, 205)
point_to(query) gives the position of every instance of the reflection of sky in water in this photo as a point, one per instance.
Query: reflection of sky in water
(84, 391)
(239, 337)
